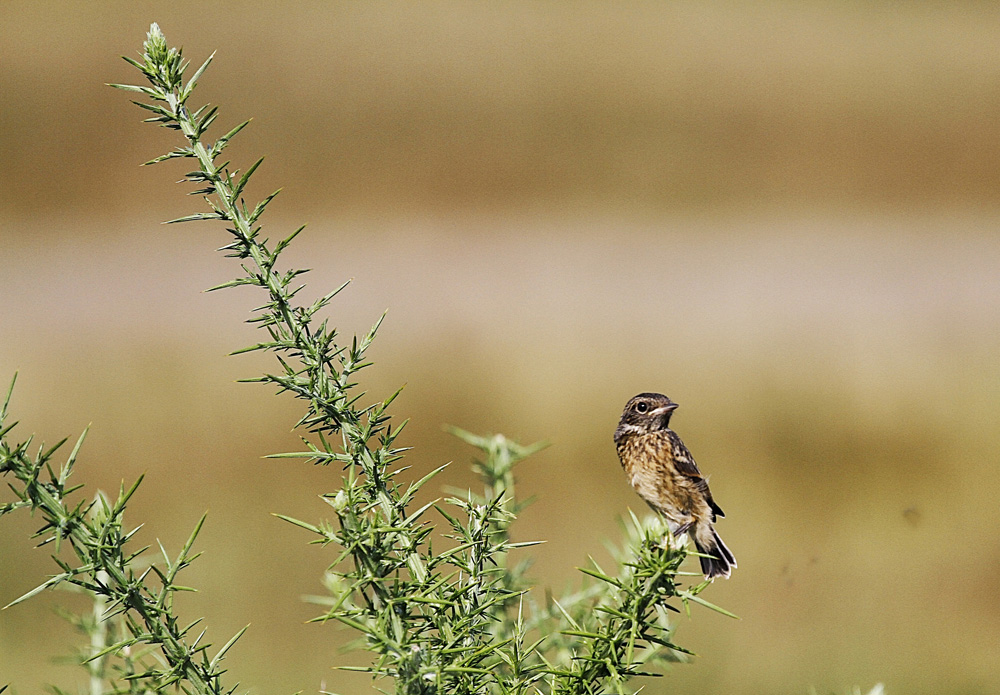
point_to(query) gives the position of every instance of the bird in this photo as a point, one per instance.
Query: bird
(663, 472)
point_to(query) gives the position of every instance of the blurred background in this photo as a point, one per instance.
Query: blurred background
(781, 214)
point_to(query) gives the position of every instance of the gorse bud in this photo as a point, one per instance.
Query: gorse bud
(155, 45)
(339, 502)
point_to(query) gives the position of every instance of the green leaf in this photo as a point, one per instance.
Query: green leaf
(224, 140)
(6, 400)
(689, 596)
(132, 87)
(124, 497)
(225, 648)
(197, 217)
(238, 189)
(192, 83)
(300, 524)
(602, 577)
(71, 460)
(259, 210)
(52, 581)
(283, 244)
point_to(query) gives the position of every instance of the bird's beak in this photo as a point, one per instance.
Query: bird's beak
(663, 410)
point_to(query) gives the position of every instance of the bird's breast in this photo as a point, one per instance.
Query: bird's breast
(643, 459)
(649, 465)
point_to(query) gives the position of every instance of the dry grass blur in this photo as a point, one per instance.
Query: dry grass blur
(781, 214)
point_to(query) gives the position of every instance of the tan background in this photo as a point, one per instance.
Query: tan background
(781, 214)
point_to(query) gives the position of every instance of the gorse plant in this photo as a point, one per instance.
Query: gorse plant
(439, 613)
(134, 599)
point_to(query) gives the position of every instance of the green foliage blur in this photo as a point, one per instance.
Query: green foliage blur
(781, 215)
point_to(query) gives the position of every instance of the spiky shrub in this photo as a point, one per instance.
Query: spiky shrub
(458, 618)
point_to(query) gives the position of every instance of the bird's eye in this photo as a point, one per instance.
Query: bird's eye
(641, 407)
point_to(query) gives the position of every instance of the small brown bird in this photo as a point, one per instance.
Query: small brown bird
(663, 472)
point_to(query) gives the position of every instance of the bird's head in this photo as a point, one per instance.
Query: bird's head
(645, 413)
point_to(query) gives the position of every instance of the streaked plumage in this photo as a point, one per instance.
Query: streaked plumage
(663, 472)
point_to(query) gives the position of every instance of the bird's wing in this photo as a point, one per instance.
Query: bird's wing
(684, 462)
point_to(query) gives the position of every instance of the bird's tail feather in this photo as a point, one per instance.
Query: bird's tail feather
(720, 561)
